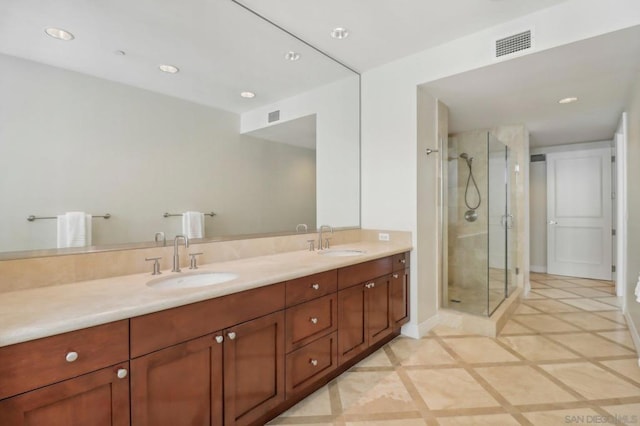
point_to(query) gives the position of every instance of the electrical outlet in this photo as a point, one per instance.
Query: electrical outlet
(383, 236)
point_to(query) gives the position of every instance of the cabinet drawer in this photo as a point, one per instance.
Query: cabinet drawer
(357, 274)
(400, 261)
(310, 320)
(310, 363)
(165, 328)
(311, 287)
(30, 365)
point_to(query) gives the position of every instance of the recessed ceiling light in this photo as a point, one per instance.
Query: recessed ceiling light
(59, 33)
(292, 56)
(568, 100)
(340, 33)
(171, 69)
(248, 95)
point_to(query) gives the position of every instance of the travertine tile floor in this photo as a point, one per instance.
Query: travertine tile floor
(565, 357)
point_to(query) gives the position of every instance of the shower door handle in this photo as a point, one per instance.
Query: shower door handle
(509, 221)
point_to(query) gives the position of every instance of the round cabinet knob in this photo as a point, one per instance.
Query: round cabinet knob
(71, 356)
(313, 320)
(231, 335)
(395, 276)
(403, 261)
(219, 339)
(315, 286)
(122, 373)
(313, 362)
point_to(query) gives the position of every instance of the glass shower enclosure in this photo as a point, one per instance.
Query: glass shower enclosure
(478, 239)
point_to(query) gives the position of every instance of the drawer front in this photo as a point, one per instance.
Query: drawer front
(166, 328)
(308, 321)
(311, 363)
(367, 271)
(311, 287)
(401, 261)
(30, 365)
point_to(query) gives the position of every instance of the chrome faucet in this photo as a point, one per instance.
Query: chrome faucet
(176, 256)
(322, 246)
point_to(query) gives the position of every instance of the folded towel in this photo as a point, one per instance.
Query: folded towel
(74, 229)
(193, 224)
(637, 293)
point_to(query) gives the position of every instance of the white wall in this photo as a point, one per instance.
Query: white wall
(633, 206)
(337, 145)
(390, 111)
(135, 154)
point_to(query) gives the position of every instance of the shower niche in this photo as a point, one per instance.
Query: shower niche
(478, 224)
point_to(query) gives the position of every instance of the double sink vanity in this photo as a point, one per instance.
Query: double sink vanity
(233, 343)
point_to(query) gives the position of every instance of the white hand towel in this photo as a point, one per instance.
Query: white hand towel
(74, 230)
(638, 290)
(193, 224)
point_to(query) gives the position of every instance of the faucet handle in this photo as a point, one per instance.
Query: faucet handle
(193, 264)
(156, 264)
(312, 245)
(326, 243)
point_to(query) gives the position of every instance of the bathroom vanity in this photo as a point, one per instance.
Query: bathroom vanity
(240, 355)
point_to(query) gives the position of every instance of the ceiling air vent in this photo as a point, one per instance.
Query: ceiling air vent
(513, 44)
(538, 157)
(273, 116)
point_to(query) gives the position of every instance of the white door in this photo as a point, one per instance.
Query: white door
(579, 213)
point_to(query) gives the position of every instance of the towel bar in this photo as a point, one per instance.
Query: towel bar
(212, 214)
(32, 217)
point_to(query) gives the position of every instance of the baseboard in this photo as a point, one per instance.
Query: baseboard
(634, 333)
(417, 331)
(538, 269)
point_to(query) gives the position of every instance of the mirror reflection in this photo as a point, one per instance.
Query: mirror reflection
(95, 124)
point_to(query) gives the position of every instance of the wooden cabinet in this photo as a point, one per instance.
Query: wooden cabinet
(253, 369)
(399, 290)
(179, 385)
(231, 377)
(100, 398)
(70, 379)
(234, 360)
(311, 325)
(363, 317)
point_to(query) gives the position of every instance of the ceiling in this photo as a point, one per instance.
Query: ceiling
(222, 49)
(383, 31)
(599, 71)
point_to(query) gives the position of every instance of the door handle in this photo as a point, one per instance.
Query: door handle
(552, 222)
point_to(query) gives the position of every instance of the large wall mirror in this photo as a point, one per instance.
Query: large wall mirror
(93, 124)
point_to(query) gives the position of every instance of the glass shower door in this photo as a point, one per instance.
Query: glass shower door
(498, 222)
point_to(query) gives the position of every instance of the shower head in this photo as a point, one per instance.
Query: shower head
(466, 158)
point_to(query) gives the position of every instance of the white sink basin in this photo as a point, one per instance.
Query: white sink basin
(192, 280)
(341, 252)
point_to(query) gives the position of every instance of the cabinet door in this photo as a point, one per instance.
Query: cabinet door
(352, 320)
(179, 385)
(254, 370)
(399, 295)
(100, 398)
(378, 321)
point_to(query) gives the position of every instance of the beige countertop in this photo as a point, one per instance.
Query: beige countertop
(46, 311)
